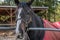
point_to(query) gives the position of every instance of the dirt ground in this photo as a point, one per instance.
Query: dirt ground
(7, 38)
(8, 35)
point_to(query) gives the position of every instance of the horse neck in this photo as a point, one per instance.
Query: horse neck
(37, 21)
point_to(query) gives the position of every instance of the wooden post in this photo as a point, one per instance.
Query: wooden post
(11, 14)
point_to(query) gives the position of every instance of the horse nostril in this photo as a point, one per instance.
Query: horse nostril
(18, 36)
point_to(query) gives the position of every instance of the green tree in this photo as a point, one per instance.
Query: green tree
(52, 4)
(48, 3)
(58, 11)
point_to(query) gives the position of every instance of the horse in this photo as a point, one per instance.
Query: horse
(26, 18)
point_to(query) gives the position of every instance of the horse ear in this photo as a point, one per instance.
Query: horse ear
(16, 2)
(30, 2)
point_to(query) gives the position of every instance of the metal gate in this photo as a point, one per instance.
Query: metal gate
(5, 37)
(7, 33)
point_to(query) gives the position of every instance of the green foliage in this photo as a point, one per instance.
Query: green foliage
(54, 7)
(51, 4)
(58, 12)
(4, 17)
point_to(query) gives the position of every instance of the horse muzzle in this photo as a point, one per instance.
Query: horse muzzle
(20, 36)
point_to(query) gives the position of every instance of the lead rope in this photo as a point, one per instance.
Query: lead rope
(26, 37)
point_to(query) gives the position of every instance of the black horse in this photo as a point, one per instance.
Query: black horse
(26, 18)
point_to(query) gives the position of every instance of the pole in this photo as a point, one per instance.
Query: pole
(7, 28)
(45, 29)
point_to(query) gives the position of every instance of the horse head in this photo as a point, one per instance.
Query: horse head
(24, 17)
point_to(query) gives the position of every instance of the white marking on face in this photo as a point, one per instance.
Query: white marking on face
(19, 21)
